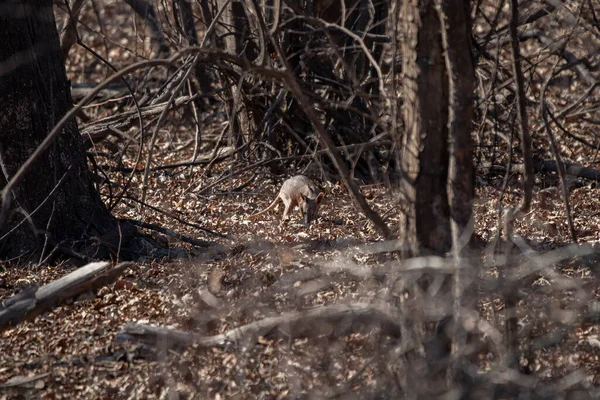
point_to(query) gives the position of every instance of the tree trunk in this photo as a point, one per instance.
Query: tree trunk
(456, 33)
(204, 78)
(424, 222)
(424, 208)
(455, 18)
(56, 201)
(436, 167)
(238, 41)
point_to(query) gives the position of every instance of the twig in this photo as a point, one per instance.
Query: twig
(523, 126)
(159, 123)
(200, 190)
(560, 166)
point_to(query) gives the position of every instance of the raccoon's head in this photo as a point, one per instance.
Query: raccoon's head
(310, 208)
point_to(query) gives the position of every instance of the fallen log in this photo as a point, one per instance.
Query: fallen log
(33, 301)
(114, 125)
(324, 320)
(541, 166)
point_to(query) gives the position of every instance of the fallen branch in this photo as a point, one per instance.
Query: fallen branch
(101, 128)
(225, 153)
(24, 381)
(112, 93)
(542, 166)
(325, 320)
(36, 300)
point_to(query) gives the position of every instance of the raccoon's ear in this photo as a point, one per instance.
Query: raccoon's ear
(319, 197)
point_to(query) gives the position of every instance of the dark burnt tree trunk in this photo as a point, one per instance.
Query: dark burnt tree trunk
(436, 166)
(423, 196)
(456, 38)
(456, 34)
(425, 224)
(203, 77)
(56, 203)
(238, 40)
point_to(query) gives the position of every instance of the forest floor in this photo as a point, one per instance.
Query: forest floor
(265, 269)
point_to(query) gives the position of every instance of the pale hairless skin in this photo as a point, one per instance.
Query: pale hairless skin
(297, 190)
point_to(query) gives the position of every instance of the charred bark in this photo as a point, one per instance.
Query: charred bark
(56, 202)
(423, 196)
(456, 34)
(436, 167)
